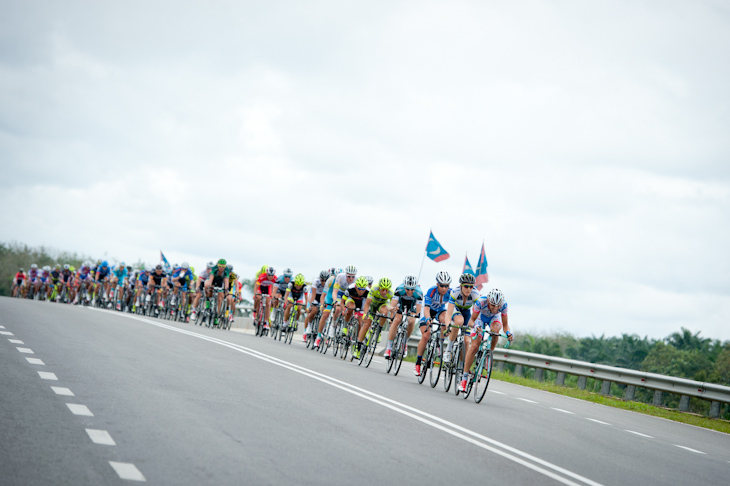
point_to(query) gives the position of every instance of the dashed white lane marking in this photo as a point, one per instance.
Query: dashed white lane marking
(561, 410)
(639, 433)
(598, 421)
(498, 392)
(47, 376)
(7, 333)
(59, 390)
(77, 409)
(100, 437)
(526, 400)
(35, 361)
(25, 350)
(127, 471)
(689, 449)
(16, 341)
(2, 327)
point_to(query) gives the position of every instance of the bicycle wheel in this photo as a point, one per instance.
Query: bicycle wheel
(485, 373)
(426, 363)
(371, 347)
(458, 365)
(437, 363)
(393, 355)
(401, 353)
(339, 338)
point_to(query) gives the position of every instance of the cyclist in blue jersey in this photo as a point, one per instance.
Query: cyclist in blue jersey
(101, 280)
(435, 308)
(182, 278)
(119, 278)
(490, 313)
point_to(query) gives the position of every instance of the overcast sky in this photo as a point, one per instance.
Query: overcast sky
(586, 143)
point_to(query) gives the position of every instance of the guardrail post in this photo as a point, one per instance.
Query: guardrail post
(658, 398)
(684, 404)
(539, 373)
(582, 382)
(630, 393)
(560, 380)
(500, 366)
(518, 370)
(715, 410)
(606, 387)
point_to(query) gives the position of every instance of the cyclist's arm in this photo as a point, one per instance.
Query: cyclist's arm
(449, 312)
(366, 305)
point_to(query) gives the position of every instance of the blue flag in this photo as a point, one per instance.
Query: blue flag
(481, 272)
(467, 266)
(435, 251)
(164, 261)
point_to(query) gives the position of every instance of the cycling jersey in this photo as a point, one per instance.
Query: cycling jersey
(218, 277)
(66, 276)
(296, 293)
(32, 275)
(377, 300)
(266, 283)
(183, 276)
(44, 276)
(55, 275)
(340, 284)
(232, 278)
(435, 300)
(318, 286)
(157, 278)
(356, 295)
(461, 302)
(19, 278)
(408, 303)
(481, 306)
(282, 284)
(120, 273)
(103, 272)
(84, 273)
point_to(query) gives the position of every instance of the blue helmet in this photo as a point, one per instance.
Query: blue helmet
(104, 264)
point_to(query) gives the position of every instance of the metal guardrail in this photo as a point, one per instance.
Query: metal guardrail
(608, 374)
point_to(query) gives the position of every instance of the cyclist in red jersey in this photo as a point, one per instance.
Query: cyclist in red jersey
(265, 284)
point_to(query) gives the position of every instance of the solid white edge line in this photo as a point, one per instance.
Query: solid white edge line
(564, 411)
(100, 437)
(46, 375)
(35, 361)
(382, 401)
(638, 433)
(77, 409)
(127, 471)
(59, 390)
(690, 449)
(598, 421)
(2, 327)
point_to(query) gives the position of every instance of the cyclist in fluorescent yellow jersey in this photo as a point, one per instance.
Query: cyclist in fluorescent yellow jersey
(377, 302)
(295, 292)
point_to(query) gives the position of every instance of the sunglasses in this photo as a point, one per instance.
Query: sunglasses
(444, 286)
(467, 286)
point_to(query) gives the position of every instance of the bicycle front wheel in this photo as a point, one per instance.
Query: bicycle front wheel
(485, 373)
(393, 355)
(458, 365)
(437, 360)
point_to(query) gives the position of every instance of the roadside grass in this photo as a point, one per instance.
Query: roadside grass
(645, 408)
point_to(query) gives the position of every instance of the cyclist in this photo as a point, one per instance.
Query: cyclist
(55, 277)
(233, 292)
(335, 289)
(264, 286)
(282, 283)
(181, 279)
(45, 280)
(489, 311)
(313, 301)
(435, 307)
(140, 284)
(458, 309)
(32, 280)
(158, 278)
(377, 302)
(202, 278)
(218, 279)
(101, 280)
(83, 280)
(370, 280)
(408, 297)
(353, 300)
(18, 282)
(67, 280)
(119, 277)
(295, 293)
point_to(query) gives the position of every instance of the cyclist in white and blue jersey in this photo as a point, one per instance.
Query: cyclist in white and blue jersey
(489, 311)
(335, 288)
(408, 297)
(458, 309)
(434, 308)
(314, 300)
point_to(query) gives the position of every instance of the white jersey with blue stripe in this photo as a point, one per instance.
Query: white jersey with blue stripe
(481, 306)
(461, 302)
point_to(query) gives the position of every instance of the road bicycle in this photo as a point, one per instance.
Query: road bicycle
(455, 367)
(484, 360)
(346, 336)
(400, 345)
(371, 340)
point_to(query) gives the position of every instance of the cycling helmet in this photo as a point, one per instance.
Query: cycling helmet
(288, 272)
(370, 280)
(339, 271)
(65, 267)
(21, 270)
(104, 264)
(121, 265)
(98, 262)
(158, 266)
(351, 270)
(410, 282)
(361, 283)
(175, 266)
(34, 267)
(467, 278)
(299, 279)
(148, 268)
(385, 283)
(495, 297)
(443, 278)
(72, 268)
(222, 262)
(185, 266)
(57, 266)
(271, 271)
(263, 268)
(324, 275)
(332, 271)
(229, 267)
(210, 265)
(47, 268)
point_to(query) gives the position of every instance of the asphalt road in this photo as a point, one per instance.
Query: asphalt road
(96, 397)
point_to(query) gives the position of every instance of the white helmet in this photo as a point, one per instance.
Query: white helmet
(443, 278)
(370, 280)
(47, 268)
(288, 272)
(495, 297)
(210, 265)
(185, 265)
(351, 270)
(410, 282)
(34, 266)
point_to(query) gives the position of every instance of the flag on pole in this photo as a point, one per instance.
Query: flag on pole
(435, 251)
(481, 270)
(164, 261)
(467, 266)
